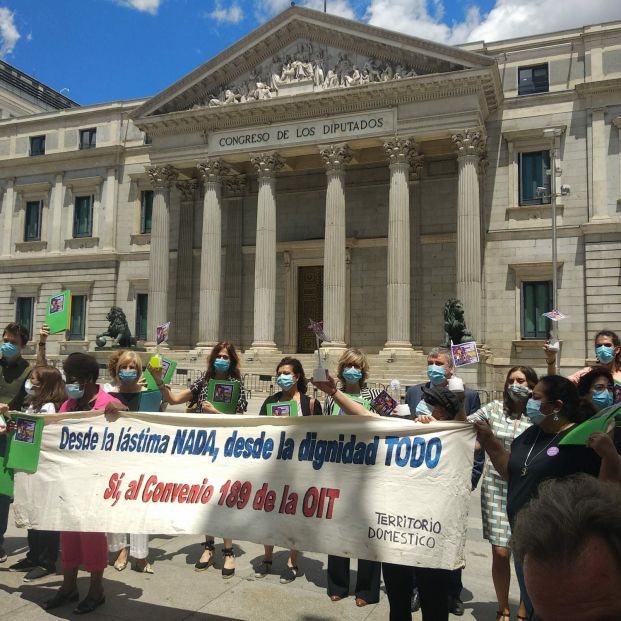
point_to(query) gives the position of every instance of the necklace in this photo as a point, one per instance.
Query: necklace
(526, 464)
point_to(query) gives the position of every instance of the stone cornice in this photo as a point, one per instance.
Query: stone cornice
(601, 86)
(84, 155)
(483, 83)
(298, 22)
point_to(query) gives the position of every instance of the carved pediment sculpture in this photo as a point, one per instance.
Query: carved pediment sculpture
(305, 67)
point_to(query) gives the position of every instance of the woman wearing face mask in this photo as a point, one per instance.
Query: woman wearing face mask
(598, 387)
(222, 364)
(46, 392)
(507, 420)
(83, 548)
(607, 352)
(125, 369)
(536, 455)
(352, 371)
(293, 384)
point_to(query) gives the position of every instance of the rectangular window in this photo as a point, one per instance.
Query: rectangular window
(83, 216)
(142, 306)
(147, 139)
(37, 145)
(88, 138)
(24, 311)
(32, 230)
(533, 79)
(77, 331)
(146, 211)
(533, 171)
(536, 300)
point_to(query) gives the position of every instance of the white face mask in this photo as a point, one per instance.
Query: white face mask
(29, 388)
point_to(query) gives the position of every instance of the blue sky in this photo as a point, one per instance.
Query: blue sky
(105, 50)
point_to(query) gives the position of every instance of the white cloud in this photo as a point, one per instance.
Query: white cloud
(232, 14)
(507, 19)
(9, 34)
(145, 6)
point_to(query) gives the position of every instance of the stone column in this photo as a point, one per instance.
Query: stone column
(57, 204)
(470, 145)
(8, 209)
(599, 149)
(416, 280)
(399, 151)
(235, 189)
(211, 254)
(335, 157)
(185, 263)
(267, 165)
(109, 201)
(162, 178)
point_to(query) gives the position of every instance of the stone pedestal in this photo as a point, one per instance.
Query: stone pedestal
(266, 165)
(470, 145)
(335, 158)
(162, 178)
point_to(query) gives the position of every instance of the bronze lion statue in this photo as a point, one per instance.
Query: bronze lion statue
(455, 329)
(117, 330)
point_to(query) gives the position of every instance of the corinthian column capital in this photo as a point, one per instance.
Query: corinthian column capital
(335, 156)
(212, 170)
(401, 150)
(235, 185)
(267, 164)
(188, 188)
(161, 177)
(469, 142)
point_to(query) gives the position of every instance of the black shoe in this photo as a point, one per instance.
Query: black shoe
(60, 599)
(228, 573)
(415, 606)
(37, 572)
(202, 565)
(24, 565)
(263, 569)
(289, 574)
(88, 604)
(456, 606)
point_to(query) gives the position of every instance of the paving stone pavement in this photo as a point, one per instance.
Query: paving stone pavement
(176, 592)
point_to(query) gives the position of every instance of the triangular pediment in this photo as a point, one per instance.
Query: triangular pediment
(302, 51)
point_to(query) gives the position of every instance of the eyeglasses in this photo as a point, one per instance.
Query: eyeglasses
(600, 387)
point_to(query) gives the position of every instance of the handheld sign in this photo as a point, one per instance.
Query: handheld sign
(58, 313)
(169, 367)
(320, 374)
(336, 408)
(223, 395)
(384, 404)
(6, 478)
(465, 353)
(283, 408)
(149, 401)
(161, 335)
(603, 421)
(24, 445)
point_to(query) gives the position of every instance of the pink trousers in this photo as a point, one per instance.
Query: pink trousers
(87, 549)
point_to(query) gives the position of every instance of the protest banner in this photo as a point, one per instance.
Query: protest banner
(373, 488)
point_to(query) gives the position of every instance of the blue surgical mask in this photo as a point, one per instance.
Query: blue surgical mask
(128, 375)
(605, 354)
(221, 365)
(436, 374)
(519, 392)
(533, 411)
(74, 391)
(285, 381)
(9, 350)
(422, 409)
(352, 375)
(602, 399)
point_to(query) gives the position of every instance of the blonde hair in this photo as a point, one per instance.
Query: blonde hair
(353, 356)
(121, 358)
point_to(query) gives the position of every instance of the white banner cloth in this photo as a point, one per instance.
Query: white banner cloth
(372, 488)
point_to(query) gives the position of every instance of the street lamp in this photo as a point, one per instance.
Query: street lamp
(554, 135)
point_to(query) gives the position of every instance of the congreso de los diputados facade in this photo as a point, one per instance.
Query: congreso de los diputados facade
(324, 168)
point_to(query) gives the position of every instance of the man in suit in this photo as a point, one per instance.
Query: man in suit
(440, 369)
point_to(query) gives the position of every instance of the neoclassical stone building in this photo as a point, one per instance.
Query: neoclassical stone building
(329, 169)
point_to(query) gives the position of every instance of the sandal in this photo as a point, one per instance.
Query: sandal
(228, 573)
(60, 599)
(263, 569)
(143, 568)
(202, 565)
(500, 616)
(88, 604)
(120, 566)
